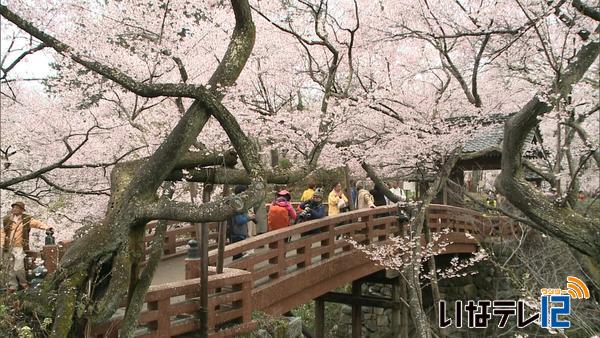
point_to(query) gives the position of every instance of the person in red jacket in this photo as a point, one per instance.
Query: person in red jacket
(281, 212)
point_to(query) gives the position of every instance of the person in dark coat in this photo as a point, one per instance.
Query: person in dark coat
(378, 196)
(313, 208)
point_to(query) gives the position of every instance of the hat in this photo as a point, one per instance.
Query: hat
(318, 193)
(283, 193)
(20, 204)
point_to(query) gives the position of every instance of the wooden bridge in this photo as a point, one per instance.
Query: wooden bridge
(286, 268)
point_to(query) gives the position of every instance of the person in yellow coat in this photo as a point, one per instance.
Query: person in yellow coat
(337, 200)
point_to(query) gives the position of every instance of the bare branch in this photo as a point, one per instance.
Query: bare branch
(19, 58)
(572, 228)
(586, 140)
(73, 191)
(139, 88)
(71, 151)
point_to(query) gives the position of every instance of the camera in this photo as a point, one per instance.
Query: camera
(304, 214)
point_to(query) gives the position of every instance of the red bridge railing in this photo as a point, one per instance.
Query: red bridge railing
(170, 309)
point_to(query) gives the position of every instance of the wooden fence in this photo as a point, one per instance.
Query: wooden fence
(178, 236)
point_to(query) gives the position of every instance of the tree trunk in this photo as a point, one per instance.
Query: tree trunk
(563, 223)
(435, 290)
(412, 271)
(107, 254)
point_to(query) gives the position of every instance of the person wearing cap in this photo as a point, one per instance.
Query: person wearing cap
(14, 239)
(313, 208)
(281, 212)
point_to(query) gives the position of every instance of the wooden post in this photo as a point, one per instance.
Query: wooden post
(369, 229)
(51, 257)
(204, 281)
(221, 246)
(247, 301)
(319, 318)
(356, 311)
(161, 326)
(445, 194)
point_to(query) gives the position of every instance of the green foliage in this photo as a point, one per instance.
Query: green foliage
(327, 178)
(333, 313)
(26, 332)
(284, 163)
(271, 324)
(47, 324)
(16, 322)
(590, 206)
(58, 204)
(324, 178)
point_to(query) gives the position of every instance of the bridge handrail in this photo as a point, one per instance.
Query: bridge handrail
(366, 226)
(297, 229)
(453, 217)
(229, 302)
(285, 257)
(468, 220)
(176, 240)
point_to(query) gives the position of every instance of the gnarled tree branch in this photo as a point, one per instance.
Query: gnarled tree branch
(577, 231)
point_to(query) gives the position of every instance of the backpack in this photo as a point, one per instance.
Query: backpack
(278, 217)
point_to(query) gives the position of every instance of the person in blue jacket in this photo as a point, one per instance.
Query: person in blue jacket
(238, 224)
(312, 209)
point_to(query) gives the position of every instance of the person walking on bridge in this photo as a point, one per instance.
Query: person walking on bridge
(396, 190)
(365, 199)
(313, 208)
(337, 200)
(281, 212)
(378, 196)
(237, 225)
(14, 240)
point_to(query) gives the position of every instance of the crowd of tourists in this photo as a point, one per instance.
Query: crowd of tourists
(281, 212)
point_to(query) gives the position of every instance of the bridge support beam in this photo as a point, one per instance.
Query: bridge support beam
(356, 310)
(319, 318)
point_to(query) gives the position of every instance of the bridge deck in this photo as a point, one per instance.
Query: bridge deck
(170, 270)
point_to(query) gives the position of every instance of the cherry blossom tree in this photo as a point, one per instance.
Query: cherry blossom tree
(133, 202)
(375, 85)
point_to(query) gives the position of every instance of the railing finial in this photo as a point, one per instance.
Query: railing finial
(193, 251)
